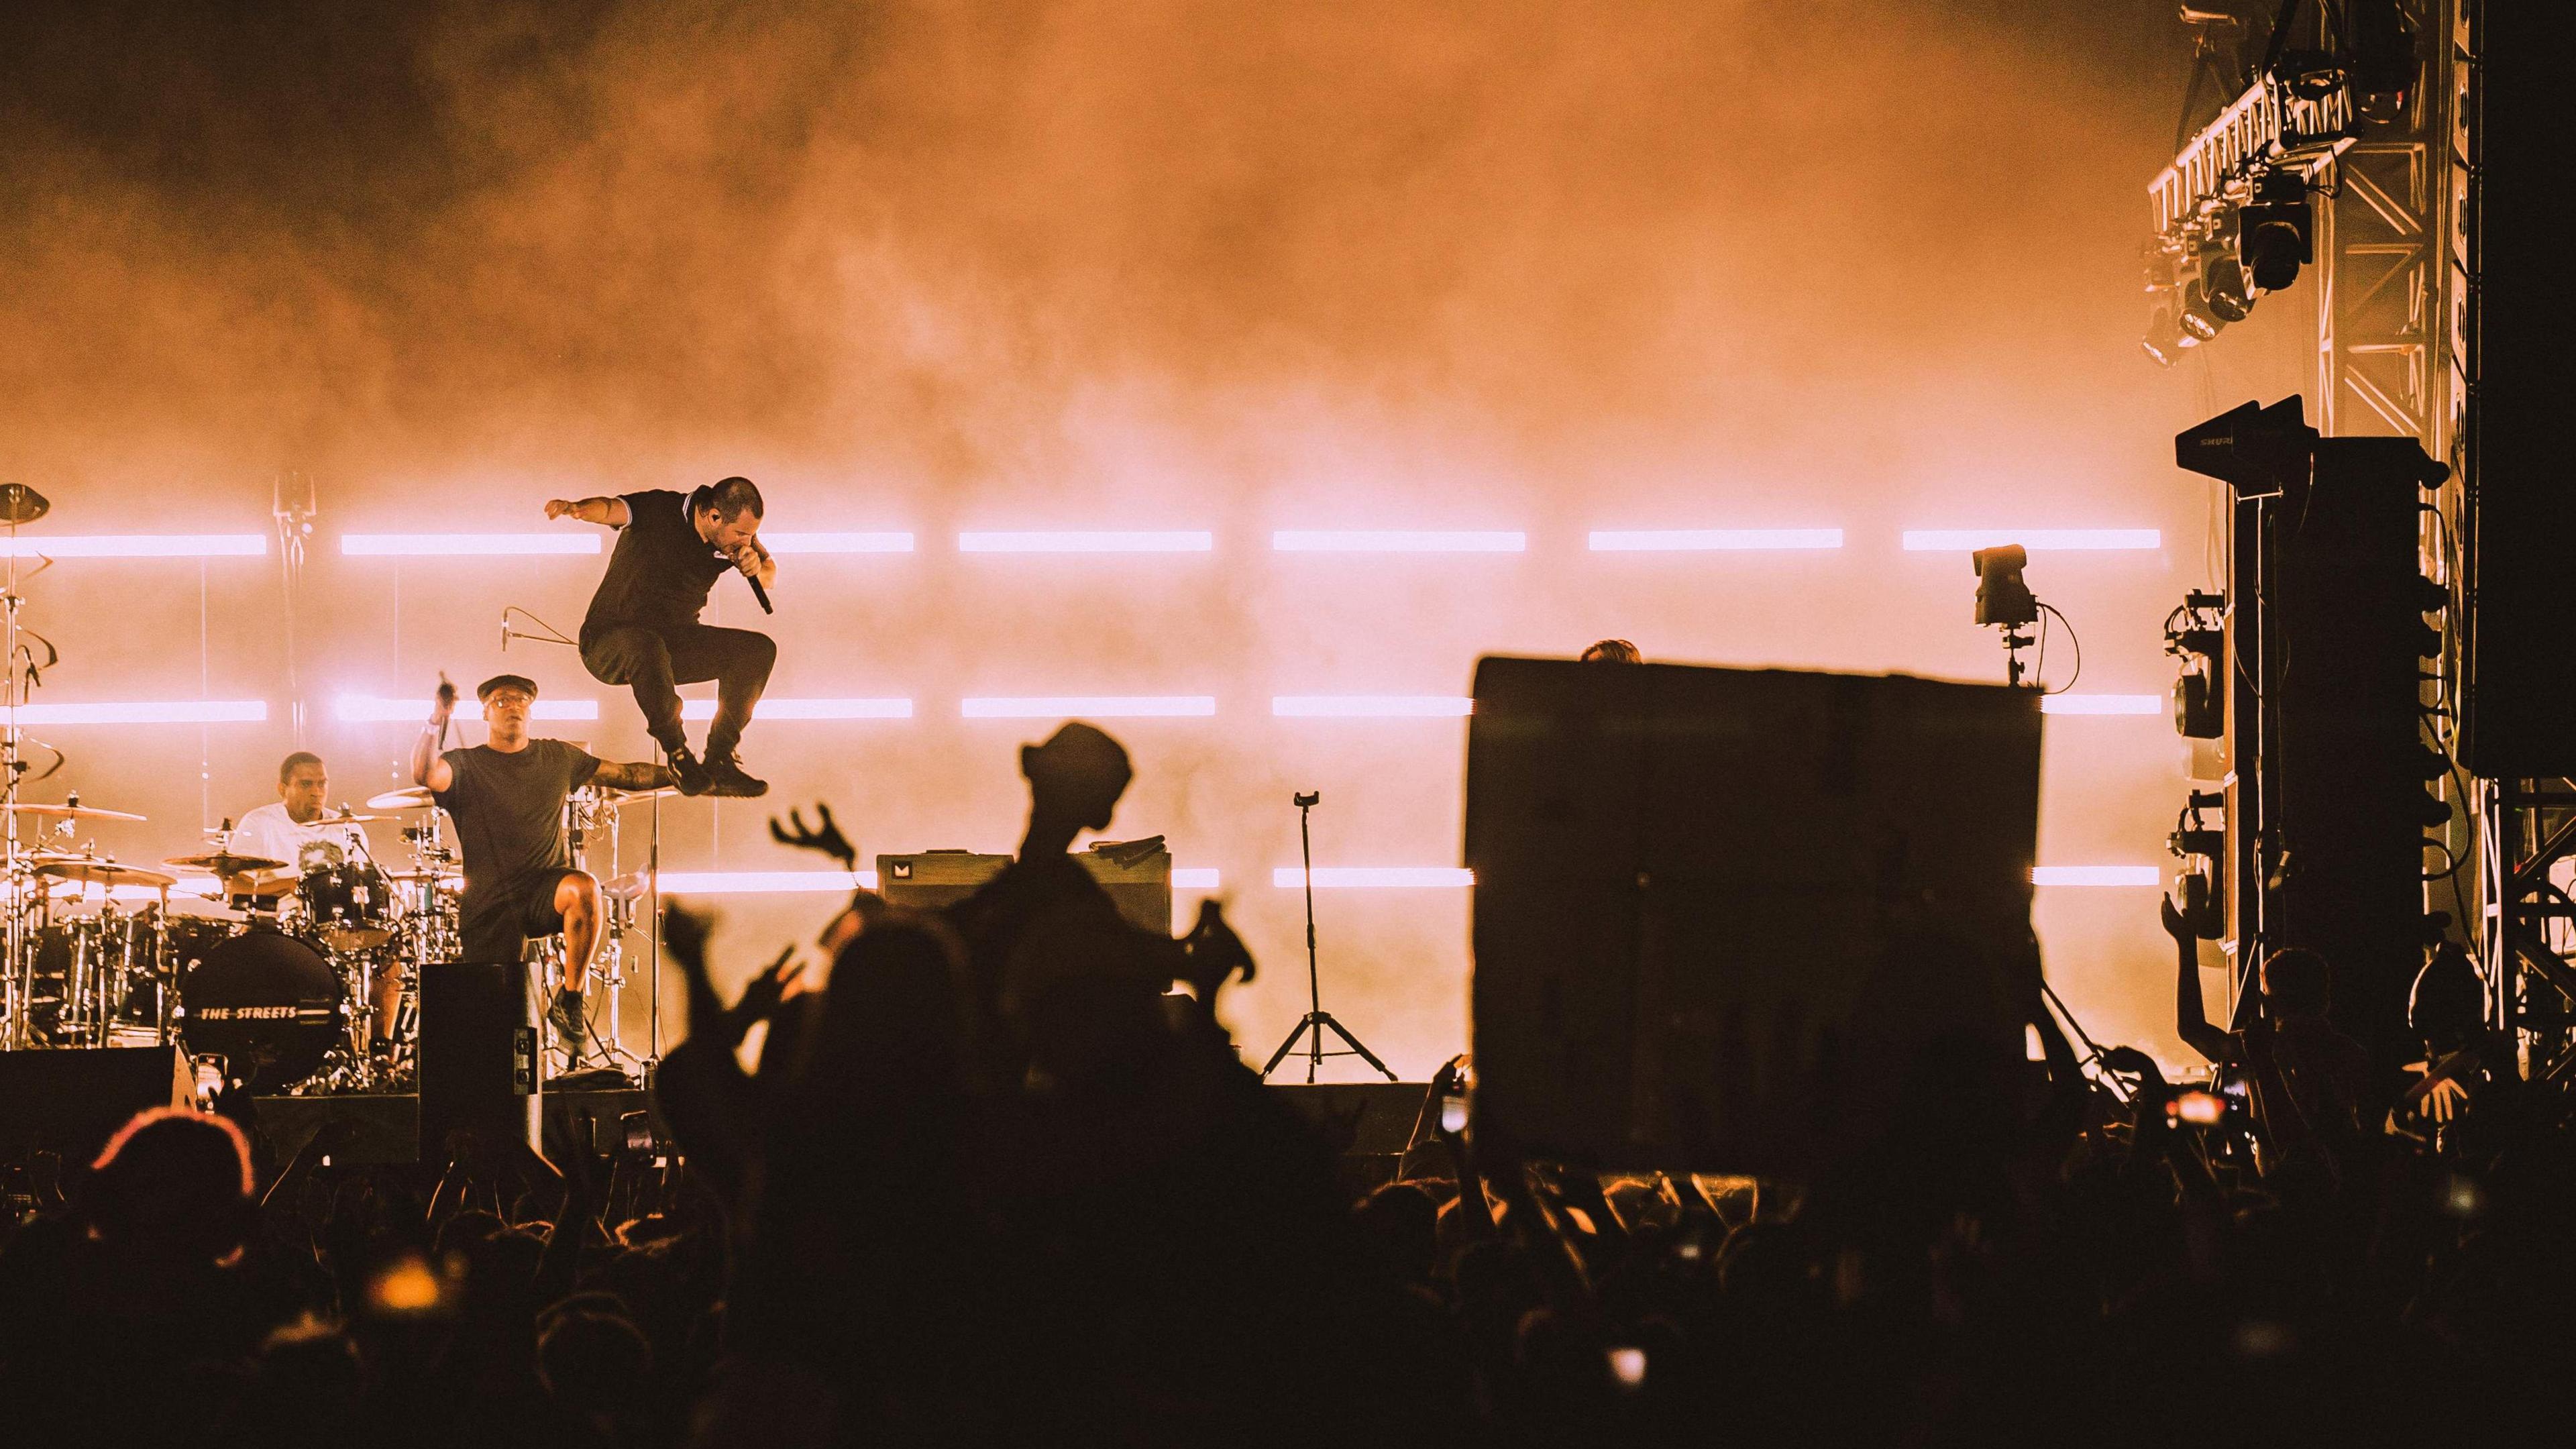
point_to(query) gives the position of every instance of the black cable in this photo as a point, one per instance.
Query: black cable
(2072, 638)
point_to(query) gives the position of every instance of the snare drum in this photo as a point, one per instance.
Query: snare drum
(347, 907)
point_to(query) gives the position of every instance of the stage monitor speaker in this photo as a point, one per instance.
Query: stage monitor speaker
(70, 1101)
(1137, 874)
(1747, 921)
(478, 1054)
(2518, 713)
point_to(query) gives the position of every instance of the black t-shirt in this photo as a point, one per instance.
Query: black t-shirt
(660, 572)
(509, 813)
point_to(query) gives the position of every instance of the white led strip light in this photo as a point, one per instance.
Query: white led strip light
(137, 545)
(1371, 706)
(1088, 541)
(1702, 540)
(361, 709)
(1397, 540)
(467, 545)
(144, 711)
(1964, 540)
(1090, 706)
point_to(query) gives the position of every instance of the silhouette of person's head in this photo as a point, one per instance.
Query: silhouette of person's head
(2297, 982)
(173, 1182)
(1612, 651)
(1075, 779)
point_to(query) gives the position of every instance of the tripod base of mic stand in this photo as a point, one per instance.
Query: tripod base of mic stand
(1320, 1022)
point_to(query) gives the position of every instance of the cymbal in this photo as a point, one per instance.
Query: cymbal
(621, 798)
(263, 884)
(224, 862)
(628, 887)
(350, 819)
(72, 812)
(411, 798)
(91, 871)
(21, 504)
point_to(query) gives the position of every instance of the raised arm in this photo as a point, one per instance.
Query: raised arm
(617, 776)
(2191, 1018)
(607, 512)
(428, 767)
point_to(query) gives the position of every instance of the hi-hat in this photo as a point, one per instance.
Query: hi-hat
(627, 887)
(616, 799)
(413, 797)
(21, 504)
(89, 871)
(224, 862)
(72, 812)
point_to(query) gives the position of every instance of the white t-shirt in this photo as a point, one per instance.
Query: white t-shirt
(271, 832)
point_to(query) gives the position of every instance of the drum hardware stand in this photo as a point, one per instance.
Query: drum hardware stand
(1317, 1020)
(18, 504)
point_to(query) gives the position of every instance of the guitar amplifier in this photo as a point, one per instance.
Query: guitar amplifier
(1136, 873)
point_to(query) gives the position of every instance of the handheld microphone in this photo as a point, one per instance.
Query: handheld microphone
(761, 594)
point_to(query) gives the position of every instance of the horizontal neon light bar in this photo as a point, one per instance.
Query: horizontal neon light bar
(775, 708)
(765, 882)
(1397, 540)
(1923, 540)
(1089, 541)
(1328, 877)
(465, 545)
(2096, 875)
(1194, 878)
(137, 545)
(144, 711)
(367, 708)
(1096, 706)
(1371, 706)
(1697, 540)
(785, 543)
(2103, 704)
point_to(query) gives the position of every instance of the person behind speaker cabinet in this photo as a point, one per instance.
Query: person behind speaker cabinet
(642, 630)
(1611, 651)
(507, 797)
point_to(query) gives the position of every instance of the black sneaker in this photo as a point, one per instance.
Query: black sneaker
(726, 771)
(691, 776)
(571, 1031)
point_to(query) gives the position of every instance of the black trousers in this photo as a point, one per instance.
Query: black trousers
(654, 660)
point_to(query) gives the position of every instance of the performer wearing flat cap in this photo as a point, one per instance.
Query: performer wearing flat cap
(507, 798)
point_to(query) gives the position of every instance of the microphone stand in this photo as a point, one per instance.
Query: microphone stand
(1317, 1020)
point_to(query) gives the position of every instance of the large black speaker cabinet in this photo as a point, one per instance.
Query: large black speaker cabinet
(1746, 921)
(478, 1054)
(2519, 533)
(71, 1101)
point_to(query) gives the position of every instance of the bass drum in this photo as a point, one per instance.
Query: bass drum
(269, 1004)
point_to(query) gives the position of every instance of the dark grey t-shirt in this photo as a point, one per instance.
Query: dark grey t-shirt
(509, 813)
(660, 573)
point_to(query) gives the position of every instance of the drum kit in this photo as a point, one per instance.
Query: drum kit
(272, 973)
(272, 969)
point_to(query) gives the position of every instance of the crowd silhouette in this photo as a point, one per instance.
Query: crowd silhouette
(994, 1180)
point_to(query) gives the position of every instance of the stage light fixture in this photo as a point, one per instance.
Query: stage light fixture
(2096, 875)
(2103, 704)
(2165, 341)
(1089, 706)
(147, 711)
(1701, 540)
(136, 545)
(2036, 540)
(2223, 285)
(1397, 877)
(1087, 541)
(1371, 706)
(2273, 237)
(465, 545)
(2196, 634)
(1397, 540)
(776, 708)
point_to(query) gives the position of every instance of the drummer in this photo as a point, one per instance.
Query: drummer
(295, 829)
